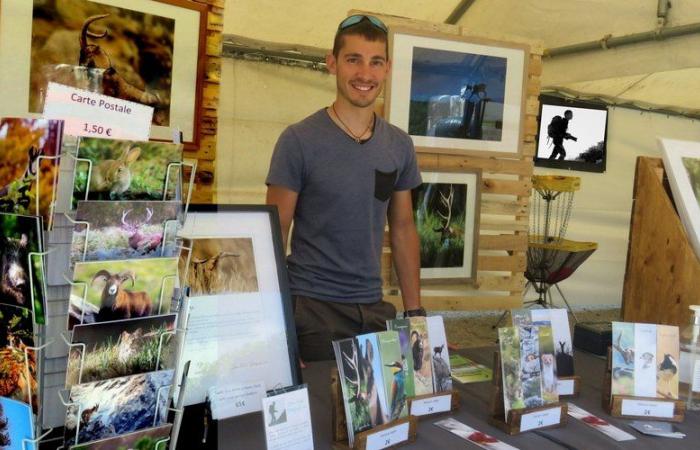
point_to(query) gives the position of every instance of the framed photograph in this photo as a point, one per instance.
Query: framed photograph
(572, 134)
(146, 51)
(456, 94)
(239, 316)
(446, 212)
(682, 164)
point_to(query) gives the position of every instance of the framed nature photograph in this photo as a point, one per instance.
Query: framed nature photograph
(446, 212)
(455, 94)
(145, 51)
(239, 317)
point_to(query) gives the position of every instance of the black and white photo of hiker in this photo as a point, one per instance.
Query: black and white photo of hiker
(568, 133)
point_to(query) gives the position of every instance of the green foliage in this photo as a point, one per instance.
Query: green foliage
(692, 166)
(433, 252)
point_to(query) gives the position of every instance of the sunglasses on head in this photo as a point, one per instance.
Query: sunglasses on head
(354, 20)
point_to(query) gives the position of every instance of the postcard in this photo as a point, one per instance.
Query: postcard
(464, 370)
(121, 405)
(125, 230)
(521, 317)
(623, 358)
(16, 334)
(422, 354)
(393, 373)
(22, 276)
(598, 424)
(120, 348)
(371, 367)
(558, 319)
(550, 393)
(22, 143)
(645, 360)
(148, 439)
(509, 346)
(442, 379)
(221, 266)
(530, 366)
(403, 327)
(115, 290)
(124, 170)
(667, 361)
(476, 437)
(287, 418)
(16, 425)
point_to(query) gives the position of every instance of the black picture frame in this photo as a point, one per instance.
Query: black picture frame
(549, 103)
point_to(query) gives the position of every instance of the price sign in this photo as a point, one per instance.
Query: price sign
(431, 405)
(646, 408)
(565, 387)
(387, 438)
(236, 400)
(89, 114)
(540, 419)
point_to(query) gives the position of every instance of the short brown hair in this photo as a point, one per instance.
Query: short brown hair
(364, 28)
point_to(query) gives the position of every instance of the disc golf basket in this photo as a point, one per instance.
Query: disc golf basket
(551, 258)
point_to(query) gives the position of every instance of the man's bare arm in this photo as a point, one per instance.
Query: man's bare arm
(405, 248)
(286, 201)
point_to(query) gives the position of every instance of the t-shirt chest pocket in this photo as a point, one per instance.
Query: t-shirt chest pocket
(384, 184)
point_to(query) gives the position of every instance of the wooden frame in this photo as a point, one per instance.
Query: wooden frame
(186, 72)
(399, 86)
(472, 208)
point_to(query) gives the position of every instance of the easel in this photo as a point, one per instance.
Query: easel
(339, 423)
(632, 407)
(513, 423)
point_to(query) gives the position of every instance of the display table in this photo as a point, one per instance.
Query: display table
(247, 432)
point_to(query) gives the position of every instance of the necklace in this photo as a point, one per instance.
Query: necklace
(358, 137)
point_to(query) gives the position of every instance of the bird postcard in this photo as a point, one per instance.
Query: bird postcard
(393, 373)
(124, 289)
(645, 360)
(421, 352)
(18, 364)
(403, 327)
(156, 438)
(623, 358)
(125, 230)
(667, 361)
(16, 425)
(121, 347)
(509, 346)
(111, 169)
(442, 375)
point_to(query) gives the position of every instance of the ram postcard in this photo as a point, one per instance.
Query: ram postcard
(120, 348)
(116, 290)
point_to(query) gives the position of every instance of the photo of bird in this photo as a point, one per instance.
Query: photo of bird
(666, 375)
(627, 353)
(397, 393)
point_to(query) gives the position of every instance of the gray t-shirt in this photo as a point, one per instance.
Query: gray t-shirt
(343, 188)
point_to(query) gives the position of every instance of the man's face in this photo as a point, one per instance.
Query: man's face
(360, 69)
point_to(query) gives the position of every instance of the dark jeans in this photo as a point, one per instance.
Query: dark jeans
(319, 323)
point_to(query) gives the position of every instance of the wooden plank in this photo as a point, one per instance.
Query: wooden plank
(215, 22)
(503, 242)
(510, 263)
(506, 187)
(535, 66)
(500, 283)
(462, 303)
(212, 70)
(210, 95)
(499, 207)
(496, 225)
(529, 148)
(534, 85)
(487, 165)
(427, 160)
(207, 149)
(532, 105)
(214, 43)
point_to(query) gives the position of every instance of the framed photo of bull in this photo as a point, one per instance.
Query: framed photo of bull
(145, 51)
(238, 312)
(459, 95)
(446, 212)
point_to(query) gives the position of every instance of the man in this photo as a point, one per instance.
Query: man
(338, 174)
(557, 130)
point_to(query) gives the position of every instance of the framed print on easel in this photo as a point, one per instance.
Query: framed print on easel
(457, 95)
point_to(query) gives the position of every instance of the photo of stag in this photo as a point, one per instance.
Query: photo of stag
(116, 290)
(125, 170)
(130, 53)
(16, 334)
(22, 143)
(125, 230)
(19, 278)
(120, 348)
(221, 266)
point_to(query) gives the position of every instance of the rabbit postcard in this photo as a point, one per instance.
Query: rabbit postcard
(125, 170)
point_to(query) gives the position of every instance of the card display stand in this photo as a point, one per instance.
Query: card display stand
(513, 423)
(648, 406)
(339, 422)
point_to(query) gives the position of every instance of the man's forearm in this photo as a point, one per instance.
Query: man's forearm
(406, 255)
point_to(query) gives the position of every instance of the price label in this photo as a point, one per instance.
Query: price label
(540, 419)
(386, 438)
(647, 408)
(565, 387)
(431, 405)
(236, 400)
(88, 114)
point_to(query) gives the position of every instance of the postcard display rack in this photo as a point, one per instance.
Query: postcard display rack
(173, 186)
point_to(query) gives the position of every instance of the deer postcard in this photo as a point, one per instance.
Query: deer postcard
(18, 369)
(27, 173)
(116, 290)
(125, 170)
(121, 347)
(442, 374)
(125, 230)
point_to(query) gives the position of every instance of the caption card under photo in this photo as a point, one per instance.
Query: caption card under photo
(287, 419)
(235, 400)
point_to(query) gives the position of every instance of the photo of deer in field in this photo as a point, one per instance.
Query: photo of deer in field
(221, 266)
(116, 290)
(124, 170)
(16, 334)
(22, 143)
(125, 230)
(132, 51)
